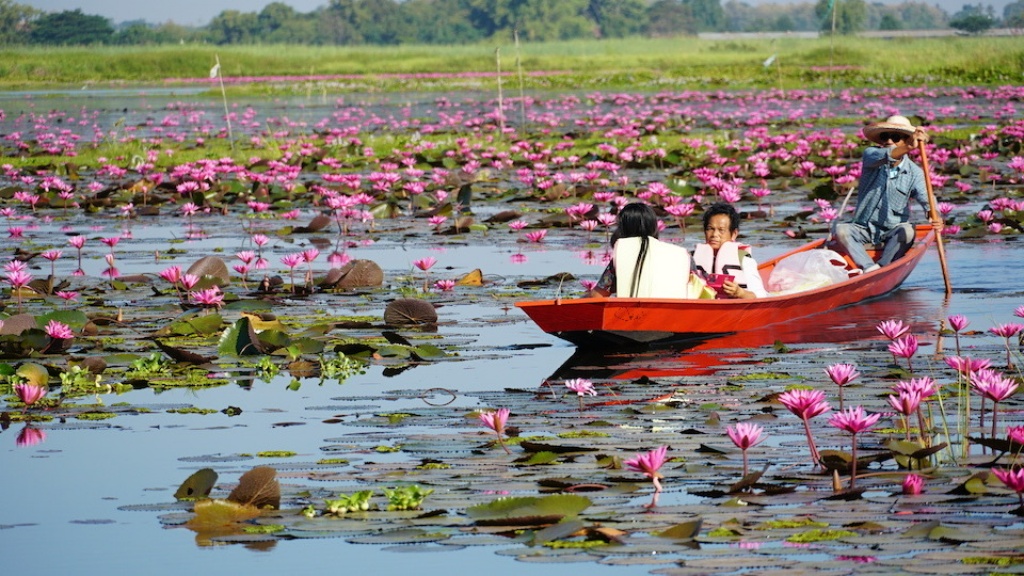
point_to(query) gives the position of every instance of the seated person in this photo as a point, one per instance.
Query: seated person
(721, 254)
(642, 266)
(889, 181)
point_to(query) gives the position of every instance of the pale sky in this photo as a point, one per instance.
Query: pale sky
(200, 12)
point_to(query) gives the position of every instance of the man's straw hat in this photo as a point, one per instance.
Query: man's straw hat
(899, 124)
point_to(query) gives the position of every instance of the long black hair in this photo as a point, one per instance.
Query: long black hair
(636, 219)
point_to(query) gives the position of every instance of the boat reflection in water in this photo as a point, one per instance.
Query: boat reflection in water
(917, 308)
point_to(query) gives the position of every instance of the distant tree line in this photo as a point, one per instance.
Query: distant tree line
(392, 22)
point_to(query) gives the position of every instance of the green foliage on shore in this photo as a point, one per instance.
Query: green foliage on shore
(683, 62)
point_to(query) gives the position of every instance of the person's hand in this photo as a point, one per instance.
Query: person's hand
(918, 136)
(938, 226)
(733, 290)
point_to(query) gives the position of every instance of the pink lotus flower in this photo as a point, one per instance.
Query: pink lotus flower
(1007, 331)
(745, 435)
(853, 420)
(189, 281)
(1014, 480)
(29, 394)
(841, 375)
(905, 403)
(59, 330)
(172, 274)
(536, 235)
(904, 347)
(913, 485)
(958, 322)
(806, 404)
(893, 329)
(496, 421)
(581, 386)
(924, 387)
(1019, 312)
(994, 386)
(965, 366)
(309, 255)
(425, 263)
(29, 436)
(77, 241)
(445, 285)
(517, 225)
(209, 298)
(649, 463)
(1015, 434)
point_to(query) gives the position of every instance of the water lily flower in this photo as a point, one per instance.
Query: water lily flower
(209, 298)
(445, 285)
(648, 464)
(172, 274)
(841, 375)
(913, 485)
(892, 329)
(189, 281)
(853, 420)
(437, 221)
(29, 394)
(1007, 331)
(517, 225)
(745, 435)
(958, 322)
(1019, 312)
(806, 404)
(904, 347)
(496, 421)
(536, 235)
(906, 403)
(582, 387)
(67, 295)
(58, 330)
(1015, 434)
(1013, 479)
(994, 386)
(425, 263)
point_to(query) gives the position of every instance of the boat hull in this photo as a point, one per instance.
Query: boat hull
(602, 322)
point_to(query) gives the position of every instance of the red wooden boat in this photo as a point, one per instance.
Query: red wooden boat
(596, 322)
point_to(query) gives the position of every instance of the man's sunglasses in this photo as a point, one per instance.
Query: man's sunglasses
(893, 136)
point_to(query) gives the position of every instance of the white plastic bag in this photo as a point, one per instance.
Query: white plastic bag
(807, 271)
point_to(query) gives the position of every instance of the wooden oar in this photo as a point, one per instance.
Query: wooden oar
(933, 215)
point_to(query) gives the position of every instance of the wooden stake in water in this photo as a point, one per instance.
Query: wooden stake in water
(522, 96)
(224, 95)
(501, 106)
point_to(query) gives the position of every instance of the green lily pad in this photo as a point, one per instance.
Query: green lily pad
(528, 511)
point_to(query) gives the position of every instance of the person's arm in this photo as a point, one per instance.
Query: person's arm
(754, 283)
(605, 285)
(903, 147)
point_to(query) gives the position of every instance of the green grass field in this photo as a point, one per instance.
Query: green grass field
(684, 62)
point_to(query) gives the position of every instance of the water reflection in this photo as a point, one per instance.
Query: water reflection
(917, 308)
(30, 436)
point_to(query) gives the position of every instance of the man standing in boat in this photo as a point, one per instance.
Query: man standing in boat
(722, 256)
(888, 181)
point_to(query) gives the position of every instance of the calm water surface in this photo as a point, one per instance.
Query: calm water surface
(60, 510)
